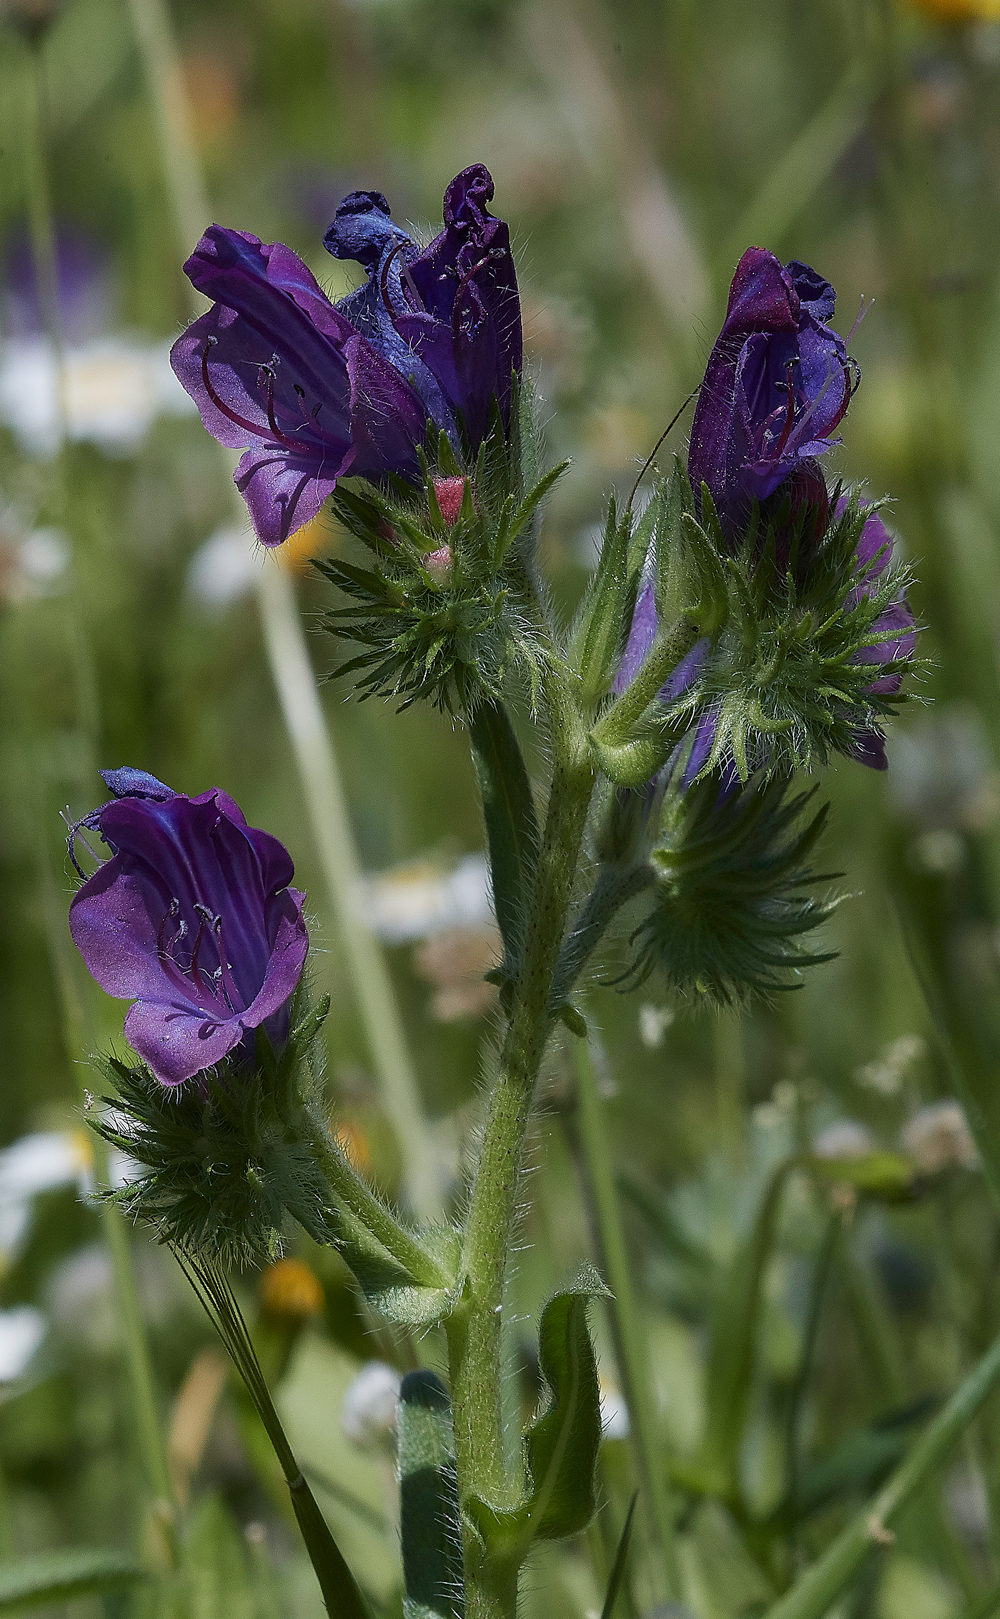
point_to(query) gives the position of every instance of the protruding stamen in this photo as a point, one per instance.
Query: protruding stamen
(463, 283)
(789, 411)
(229, 990)
(231, 415)
(282, 438)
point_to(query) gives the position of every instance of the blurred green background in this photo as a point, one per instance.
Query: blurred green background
(637, 149)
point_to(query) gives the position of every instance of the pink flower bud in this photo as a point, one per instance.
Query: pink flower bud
(450, 493)
(438, 564)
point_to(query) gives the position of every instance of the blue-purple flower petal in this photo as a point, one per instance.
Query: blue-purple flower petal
(274, 368)
(777, 384)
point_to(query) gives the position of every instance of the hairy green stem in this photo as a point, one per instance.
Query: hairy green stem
(812, 1595)
(474, 1330)
(355, 1195)
(633, 1364)
(302, 712)
(617, 725)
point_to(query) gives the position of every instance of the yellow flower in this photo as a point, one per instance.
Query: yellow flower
(307, 542)
(290, 1291)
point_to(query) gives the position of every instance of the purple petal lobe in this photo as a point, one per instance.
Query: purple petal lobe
(129, 783)
(777, 384)
(276, 370)
(645, 623)
(465, 321)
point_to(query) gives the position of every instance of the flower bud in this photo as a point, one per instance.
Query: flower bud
(439, 564)
(449, 494)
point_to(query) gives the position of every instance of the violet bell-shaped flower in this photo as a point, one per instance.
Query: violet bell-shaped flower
(193, 919)
(777, 385)
(315, 391)
(454, 305)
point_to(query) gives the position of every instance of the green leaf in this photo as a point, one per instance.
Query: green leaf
(818, 1587)
(561, 1445)
(856, 1466)
(64, 1576)
(621, 1558)
(734, 1333)
(429, 1517)
(509, 810)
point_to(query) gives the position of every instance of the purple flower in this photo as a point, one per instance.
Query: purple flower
(191, 918)
(315, 391)
(455, 305)
(777, 384)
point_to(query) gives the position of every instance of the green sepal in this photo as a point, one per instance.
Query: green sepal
(706, 599)
(561, 1445)
(511, 824)
(784, 677)
(731, 893)
(430, 1528)
(450, 636)
(635, 762)
(300, 1041)
(603, 617)
(518, 519)
(689, 577)
(222, 1161)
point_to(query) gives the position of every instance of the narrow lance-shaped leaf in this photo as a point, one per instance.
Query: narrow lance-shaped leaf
(609, 601)
(818, 1588)
(509, 810)
(561, 1446)
(617, 1575)
(64, 1576)
(734, 1332)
